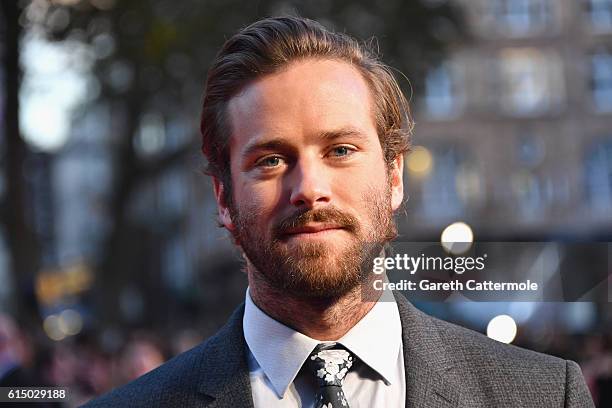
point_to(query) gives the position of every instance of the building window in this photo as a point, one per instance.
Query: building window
(532, 81)
(600, 14)
(451, 186)
(442, 99)
(599, 177)
(530, 150)
(521, 17)
(532, 192)
(601, 81)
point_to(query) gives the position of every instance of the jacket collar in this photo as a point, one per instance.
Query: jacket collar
(224, 373)
(427, 362)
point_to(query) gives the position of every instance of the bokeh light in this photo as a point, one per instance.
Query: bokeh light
(70, 322)
(502, 328)
(52, 327)
(419, 162)
(457, 238)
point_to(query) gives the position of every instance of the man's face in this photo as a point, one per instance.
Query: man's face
(313, 198)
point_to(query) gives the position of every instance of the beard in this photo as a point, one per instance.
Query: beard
(316, 269)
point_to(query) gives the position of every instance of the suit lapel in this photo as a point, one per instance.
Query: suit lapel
(427, 363)
(224, 373)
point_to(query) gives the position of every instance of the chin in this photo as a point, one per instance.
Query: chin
(319, 282)
(324, 295)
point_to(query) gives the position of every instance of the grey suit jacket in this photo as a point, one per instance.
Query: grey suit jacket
(446, 366)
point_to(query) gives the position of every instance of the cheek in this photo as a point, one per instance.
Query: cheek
(258, 199)
(366, 194)
(361, 180)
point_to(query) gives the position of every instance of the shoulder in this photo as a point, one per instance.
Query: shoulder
(153, 388)
(474, 348)
(486, 372)
(508, 375)
(176, 382)
(502, 374)
(463, 346)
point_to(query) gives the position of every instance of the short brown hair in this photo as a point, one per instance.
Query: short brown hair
(266, 46)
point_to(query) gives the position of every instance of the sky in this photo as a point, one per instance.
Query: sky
(56, 81)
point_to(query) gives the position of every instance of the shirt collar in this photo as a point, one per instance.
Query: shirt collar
(376, 339)
(281, 351)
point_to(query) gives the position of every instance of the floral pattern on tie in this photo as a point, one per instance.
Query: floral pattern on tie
(336, 365)
(330, 364)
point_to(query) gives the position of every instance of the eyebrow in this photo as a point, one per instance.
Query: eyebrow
(343, 132)
(280, 143)
(273, 144)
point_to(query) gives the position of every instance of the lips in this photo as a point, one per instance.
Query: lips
(312, 229)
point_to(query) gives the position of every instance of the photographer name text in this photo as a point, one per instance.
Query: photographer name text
(455, 285)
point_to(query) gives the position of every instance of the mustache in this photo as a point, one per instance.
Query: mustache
(303, 217)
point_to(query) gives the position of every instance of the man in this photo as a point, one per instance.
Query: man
(305, 133)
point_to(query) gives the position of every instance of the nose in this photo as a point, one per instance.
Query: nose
(310, 184)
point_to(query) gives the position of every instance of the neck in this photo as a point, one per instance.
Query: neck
(320, 319)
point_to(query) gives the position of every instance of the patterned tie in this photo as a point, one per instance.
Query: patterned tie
(330, 363)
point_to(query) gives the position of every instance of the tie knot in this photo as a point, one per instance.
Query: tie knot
(330, 363)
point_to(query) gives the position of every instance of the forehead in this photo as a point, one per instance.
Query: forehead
(306, 97)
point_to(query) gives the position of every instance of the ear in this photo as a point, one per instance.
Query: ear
(396, 174)
(224, 213)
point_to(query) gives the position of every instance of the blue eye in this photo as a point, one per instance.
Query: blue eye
(271, 161)
(341, 151)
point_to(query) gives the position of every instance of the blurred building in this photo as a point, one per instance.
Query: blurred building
(515, 126)
(513, 136)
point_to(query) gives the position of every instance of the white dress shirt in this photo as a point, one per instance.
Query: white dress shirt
(277, 353)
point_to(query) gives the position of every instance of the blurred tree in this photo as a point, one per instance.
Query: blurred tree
(151, 56)
(14, 206)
